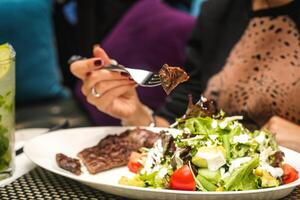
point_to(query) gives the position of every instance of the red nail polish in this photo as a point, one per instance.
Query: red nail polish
(88, 73)
(98, 63)
(124, 74)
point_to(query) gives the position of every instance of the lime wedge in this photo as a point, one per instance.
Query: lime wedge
(6, 55)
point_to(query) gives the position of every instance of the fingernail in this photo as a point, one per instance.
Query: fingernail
(98, 63)
(124, 74)
(131, 79)
(88, 73)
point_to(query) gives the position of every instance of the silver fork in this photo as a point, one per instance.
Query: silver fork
(142, 77)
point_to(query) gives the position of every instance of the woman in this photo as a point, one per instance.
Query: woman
(257, 44)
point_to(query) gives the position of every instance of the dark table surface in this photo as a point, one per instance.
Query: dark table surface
(47, 114)
(42, 184)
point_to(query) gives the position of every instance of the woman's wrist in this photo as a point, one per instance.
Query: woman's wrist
(142, 117)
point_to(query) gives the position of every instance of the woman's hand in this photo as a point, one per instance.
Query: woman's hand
(287, 133)
(114, 93)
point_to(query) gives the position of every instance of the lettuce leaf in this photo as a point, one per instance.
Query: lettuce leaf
(209, 186)
(243, 177)
(199, 125)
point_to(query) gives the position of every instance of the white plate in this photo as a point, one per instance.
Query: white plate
(42, 149)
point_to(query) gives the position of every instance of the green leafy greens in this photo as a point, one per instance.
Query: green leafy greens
(221, 152)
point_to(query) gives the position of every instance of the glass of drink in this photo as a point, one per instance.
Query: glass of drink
(7, 110)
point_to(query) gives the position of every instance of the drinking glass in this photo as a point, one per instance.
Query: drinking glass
(7, 110)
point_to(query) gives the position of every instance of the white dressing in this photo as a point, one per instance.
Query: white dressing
(214, 160)
(243, 138)
(238, 162)
(260, 138)
(274, 171)
(213, 137)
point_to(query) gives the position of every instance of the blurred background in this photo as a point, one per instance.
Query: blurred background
(46, 33)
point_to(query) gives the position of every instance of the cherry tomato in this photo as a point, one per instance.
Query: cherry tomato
(134, 166)
(290, 174)
(182, 179)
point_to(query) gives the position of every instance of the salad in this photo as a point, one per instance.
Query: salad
(210, 152)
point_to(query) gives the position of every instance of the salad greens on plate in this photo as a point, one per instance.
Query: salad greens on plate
(210, 152)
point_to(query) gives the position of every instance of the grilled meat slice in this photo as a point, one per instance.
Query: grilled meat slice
(171, 77)
(114, 150)
(70, 164)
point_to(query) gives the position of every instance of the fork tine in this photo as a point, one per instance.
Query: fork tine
(142, 77)
(151, 85)
(151, 82)
(155, 79)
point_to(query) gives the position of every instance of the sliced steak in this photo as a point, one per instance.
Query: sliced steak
(171, 77)
(114, 150)
(70, 164)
